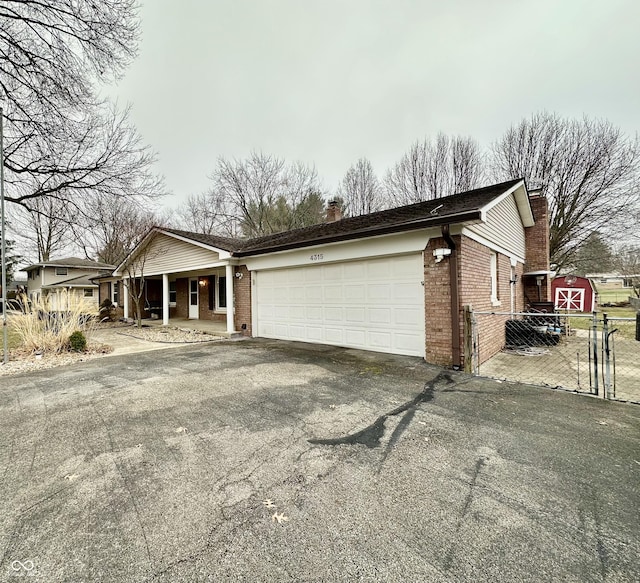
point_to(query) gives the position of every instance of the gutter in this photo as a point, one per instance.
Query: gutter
(455, 298)
(363, 233)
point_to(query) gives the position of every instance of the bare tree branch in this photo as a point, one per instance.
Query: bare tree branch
(587, 169)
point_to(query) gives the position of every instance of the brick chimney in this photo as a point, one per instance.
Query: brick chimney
(333, 212)
(537, 248)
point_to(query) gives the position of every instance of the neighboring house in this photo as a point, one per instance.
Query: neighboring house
(54, 281)
(394, 281)
(612, 280)
(573, 293)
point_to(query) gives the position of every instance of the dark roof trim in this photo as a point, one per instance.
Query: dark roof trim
(421, 223)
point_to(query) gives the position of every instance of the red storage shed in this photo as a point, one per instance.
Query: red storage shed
(573, 293)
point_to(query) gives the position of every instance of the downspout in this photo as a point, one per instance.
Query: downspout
(455, 298)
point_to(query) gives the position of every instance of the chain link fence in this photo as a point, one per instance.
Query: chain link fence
(589, 353)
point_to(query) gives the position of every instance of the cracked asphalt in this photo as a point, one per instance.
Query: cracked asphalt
(275, 461)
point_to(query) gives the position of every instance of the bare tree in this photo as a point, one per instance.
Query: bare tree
(627, 263)
(44, 227)
(588, 170)
(112, 227)
(435, 169)
(360, 190)
(208, 213)
(62, 141)
(264, 195)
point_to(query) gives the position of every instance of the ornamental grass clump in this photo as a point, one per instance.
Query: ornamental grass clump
(48, 330)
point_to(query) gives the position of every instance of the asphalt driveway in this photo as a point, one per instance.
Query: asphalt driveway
(273, 461)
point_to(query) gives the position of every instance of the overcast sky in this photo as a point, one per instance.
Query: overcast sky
(327, 82)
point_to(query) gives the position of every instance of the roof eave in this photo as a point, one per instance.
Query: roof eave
(370, 232)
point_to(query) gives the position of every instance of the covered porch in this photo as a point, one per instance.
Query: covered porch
(195, 299)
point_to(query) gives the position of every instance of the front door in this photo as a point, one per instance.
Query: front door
(193, 298)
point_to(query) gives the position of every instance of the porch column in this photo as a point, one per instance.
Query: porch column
(125, 290)
(165, 299)
(230, 302)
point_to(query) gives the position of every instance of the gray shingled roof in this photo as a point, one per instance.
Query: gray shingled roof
(457, 208)
(71, 262)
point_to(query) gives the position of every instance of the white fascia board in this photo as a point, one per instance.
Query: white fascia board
(521, 196)
(479, 239)
(379, 246)
(222, 253)
(191, 269)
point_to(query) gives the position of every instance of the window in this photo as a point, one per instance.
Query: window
(173, 296)
(88, 292)
(493, 266)
(221, 293)
(115, 292)
(61, 271)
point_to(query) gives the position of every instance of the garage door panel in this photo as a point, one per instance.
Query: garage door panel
(313, 313)
(408, 291)
(356, 338)
(333, 314)
(380, 340)
(375, 304)
(379, 315)
(377, 292)
(355, 292)
(406, 316)
(332, 293)
(334, 335)
(355, 315)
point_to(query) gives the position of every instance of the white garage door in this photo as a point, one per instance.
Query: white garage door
(377, 304)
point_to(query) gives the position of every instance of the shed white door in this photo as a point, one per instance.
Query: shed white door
(570, 299)
(375, 304)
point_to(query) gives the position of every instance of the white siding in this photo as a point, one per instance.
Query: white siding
(168, 255)
(503, 227)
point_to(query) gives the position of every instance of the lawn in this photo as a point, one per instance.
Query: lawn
(626, 328)
(613, 296)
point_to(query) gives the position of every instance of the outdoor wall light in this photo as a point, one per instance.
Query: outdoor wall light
(440, 254)
(239, 275)
(202, 282)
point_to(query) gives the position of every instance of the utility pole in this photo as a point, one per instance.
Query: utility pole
(3, 248)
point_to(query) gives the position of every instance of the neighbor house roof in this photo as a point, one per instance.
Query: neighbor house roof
(79, 281)
(76, 262)
(462, 207)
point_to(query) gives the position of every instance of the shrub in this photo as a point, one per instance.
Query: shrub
(47, 330)
(77, 342)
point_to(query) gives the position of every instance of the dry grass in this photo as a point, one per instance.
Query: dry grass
(48, 331)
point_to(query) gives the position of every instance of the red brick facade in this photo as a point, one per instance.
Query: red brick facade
(242, 296)
(474, 286)
(537, 251)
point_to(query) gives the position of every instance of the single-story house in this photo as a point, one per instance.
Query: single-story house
(392, 281)
(573, 293)
(58, 280)
(612, 280)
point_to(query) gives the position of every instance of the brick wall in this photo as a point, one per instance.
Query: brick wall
(437, 305)
(103, 291)
(242, 294)
(474, 281)
(182, 298)
(475, 290)
(207, 304)
(537, 249)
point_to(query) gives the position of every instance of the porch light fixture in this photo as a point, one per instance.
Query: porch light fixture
(202, 282)
(239, 275)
